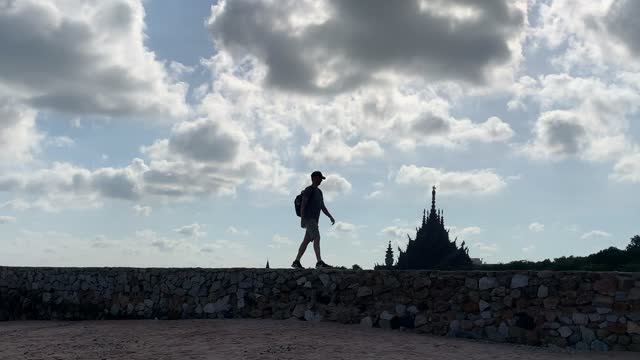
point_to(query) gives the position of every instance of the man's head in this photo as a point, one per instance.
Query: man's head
(317, 177)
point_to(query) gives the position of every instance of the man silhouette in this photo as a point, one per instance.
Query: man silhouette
(312, 204)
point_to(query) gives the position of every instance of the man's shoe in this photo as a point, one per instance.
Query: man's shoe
(322, 265)
(296, 265)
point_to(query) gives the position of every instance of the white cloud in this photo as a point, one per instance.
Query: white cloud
(16, 204)
(464, 234)
(194, 230)
(144, 248)
(142, 210)
(66, 185)
(208, 156)
(344, 229)
(627, 169)
(279, 241)
(19, 138)
(232, 230)
(398, 232)
(536, 227)
(484, 248)
(329, 147)
(374, 194)
(346, 128)
(596, 234)
(60, 141)
(85, 58)
(529, 248)
(597, 35)
(7, 219)
(474, 182)
(576, 122)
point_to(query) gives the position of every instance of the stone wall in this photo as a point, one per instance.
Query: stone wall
(597, 311)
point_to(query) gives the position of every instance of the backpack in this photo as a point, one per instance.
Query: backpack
(297, 203)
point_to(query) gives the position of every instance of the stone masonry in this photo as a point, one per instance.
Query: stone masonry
(582, 310)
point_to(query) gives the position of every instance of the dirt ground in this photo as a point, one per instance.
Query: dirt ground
(248, 339)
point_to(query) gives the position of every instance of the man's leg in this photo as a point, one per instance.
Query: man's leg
(303, 247)
(316, 248)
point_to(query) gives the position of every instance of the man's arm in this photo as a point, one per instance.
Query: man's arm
(326, 212)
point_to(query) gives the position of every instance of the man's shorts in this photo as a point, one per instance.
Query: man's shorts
(313, 232)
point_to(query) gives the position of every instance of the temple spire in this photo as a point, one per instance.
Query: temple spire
(433, 202)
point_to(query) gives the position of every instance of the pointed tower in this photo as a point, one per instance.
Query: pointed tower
(267, 267)
(433, 214)
(431, 247)
(388, 259)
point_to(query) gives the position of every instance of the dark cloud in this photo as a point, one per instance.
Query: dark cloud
(428, 124)
(623, 22)
(204, 140)
(84, 59)
(363, 38)
(563, 135)
(117, 184)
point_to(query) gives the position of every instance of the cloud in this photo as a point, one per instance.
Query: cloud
(180, 167)
(397, 232)
(622, 22)
(474, 182)
(341, 228)
(536, 227)
(60, 141)
(575, 121)
(345, 227)
(349, 128)
(19, 138)
(143, 248)
(7, 219)
(595, 233)
(484, 248)
(333, 46)
(374, 194)
(334, 186)
(627, 169)
(142, 210)
(329, 148)
(592, 37)
(232, 230)
(279, 241)
(207, 156)
(86, 59)
(205, 140)
(194, 230)
(465, 233)
(64, 184)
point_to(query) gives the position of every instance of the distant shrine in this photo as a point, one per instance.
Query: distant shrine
(431, 248)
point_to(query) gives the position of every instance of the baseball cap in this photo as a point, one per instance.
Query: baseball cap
(317, 173)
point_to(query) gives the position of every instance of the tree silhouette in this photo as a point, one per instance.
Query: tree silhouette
(609, 259)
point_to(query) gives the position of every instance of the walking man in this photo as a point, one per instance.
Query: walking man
(312, 204)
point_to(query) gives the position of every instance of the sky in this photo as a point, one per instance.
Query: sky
(177, 134)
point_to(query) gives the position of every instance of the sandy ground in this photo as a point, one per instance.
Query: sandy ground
(248, 339)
